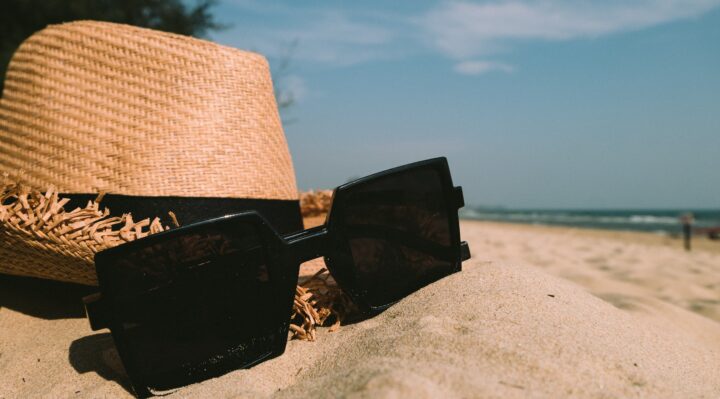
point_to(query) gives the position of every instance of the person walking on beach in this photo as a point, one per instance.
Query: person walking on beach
(687, 220)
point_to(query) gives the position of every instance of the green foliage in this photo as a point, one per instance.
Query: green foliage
(21, 18)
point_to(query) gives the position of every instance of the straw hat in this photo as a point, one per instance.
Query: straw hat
(158, 122)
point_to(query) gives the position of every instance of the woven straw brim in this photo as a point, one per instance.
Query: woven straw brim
(38, 238)
(41, 239)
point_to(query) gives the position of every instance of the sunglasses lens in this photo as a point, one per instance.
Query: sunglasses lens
(195, 305)
(399, 234)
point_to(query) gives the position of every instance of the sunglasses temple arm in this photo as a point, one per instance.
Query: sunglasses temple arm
(411, 241)
(464, 251)
(308, 244)
(95, 311)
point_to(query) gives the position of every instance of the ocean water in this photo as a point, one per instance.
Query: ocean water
(659, 221)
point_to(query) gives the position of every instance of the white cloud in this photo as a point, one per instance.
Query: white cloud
(328, 36)
(334, 38)
(462, 29)
(479, 67)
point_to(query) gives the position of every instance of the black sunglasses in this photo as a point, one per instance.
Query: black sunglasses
(202, 300)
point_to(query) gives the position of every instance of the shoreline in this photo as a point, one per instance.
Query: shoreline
(700, 243)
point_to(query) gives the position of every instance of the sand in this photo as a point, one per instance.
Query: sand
(537, 312)
(639, 272)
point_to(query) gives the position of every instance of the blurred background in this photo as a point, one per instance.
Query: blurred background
(593, 113)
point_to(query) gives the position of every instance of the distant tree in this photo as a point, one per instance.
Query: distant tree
(280, 73)
(281, 70)
(21, 18)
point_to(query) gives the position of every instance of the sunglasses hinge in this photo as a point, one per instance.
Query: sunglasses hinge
(308, 244)
(459, 198)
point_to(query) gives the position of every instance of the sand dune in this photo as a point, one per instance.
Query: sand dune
(510, 331)
(504, 327)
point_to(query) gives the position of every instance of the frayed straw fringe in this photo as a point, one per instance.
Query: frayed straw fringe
(90, 229)
(41, 221)
(319, 302)
(50, 242)
(315, 203)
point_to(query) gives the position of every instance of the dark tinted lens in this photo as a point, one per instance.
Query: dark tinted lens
(194, 306)
(399, 234)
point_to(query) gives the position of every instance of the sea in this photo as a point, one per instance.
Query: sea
(657, 221)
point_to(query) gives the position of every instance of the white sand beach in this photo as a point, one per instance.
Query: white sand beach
(537, 312)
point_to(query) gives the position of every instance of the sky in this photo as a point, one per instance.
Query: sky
(536, 104)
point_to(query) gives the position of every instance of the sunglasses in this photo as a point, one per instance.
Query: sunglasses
(199, 301)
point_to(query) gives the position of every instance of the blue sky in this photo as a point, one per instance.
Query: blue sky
(536, 104)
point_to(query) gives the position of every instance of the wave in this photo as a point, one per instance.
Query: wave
(653, 219)
(665, 221)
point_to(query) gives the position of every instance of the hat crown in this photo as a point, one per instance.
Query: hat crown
(94, 106)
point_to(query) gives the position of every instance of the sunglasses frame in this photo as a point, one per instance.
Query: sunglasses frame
(454, 200)
(284, 254)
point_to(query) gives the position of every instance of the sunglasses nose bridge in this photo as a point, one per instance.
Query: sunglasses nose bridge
(309, 244)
